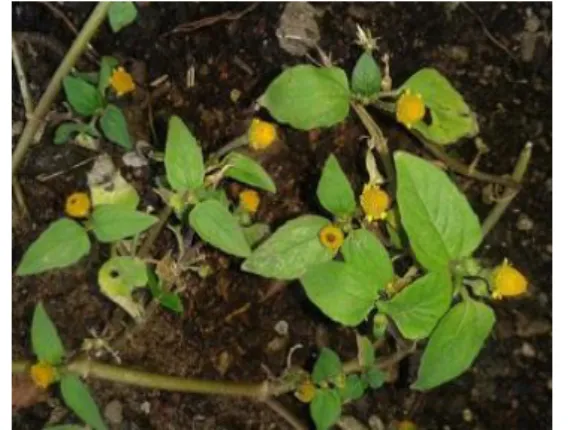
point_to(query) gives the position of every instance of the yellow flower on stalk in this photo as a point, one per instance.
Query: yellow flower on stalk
(261, 134)
(121, 81)
(249, 201)
(507, 281)
(410, 108)
(375, 202)
(331, 237)
(78, 205)
(43, 374)
(306, 392)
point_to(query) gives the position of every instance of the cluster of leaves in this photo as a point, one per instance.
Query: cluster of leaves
(334, 387)
(48, 348)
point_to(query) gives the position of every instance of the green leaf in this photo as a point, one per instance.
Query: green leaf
(115, 222)
(62, 244)
(216, 226)
(89, 77)
(64, 132)
(116, 191)
(365, 351)
(418, 307)
(364, 251)
(327, 367)
(83, 97)
(121, 14)
(454, 344)
(438, 220)
(340, 291)
(119, 276)
(353, 389)
(375, 377)
(183, 157)
(326, 408)
(46, 343)
(108, 64)
(291, 250)
(255, 233)
(334, 190)
(248, 171)
(366, 76)
(451, 118)
(77, 398)
(115, 128)
(308, 97)
(167, 299)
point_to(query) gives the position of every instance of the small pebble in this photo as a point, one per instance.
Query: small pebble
(524, 223)
(145, 407)
(528, 350)
(114, 412)
(375, 423)
(282, 328)
(467, 415)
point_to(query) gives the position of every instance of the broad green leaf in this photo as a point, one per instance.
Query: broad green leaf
(418, 307)
(326, 408)
(121, 14)
(119, 276)
(115, 128)
(183, 157)
(327, 367)
(375, 377)
(108, 64)
(454, 344)
(364, 251)
(353, 389)
(116, 191)
(366, 76)
(365, 351)
(308, 97)
(62, 244)
(291, 250)
(64, 132)
(77, 398)
(46, 343)
(438, 220)
(216, 226)
(255, 233)
(83, 97)
(115, 222)
(248, 171)
(334, 190)
(451, 118)
(89, 77)
(341, 291)
(202, 194)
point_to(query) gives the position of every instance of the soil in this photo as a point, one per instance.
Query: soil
(510, 385)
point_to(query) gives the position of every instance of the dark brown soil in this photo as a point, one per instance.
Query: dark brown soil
(510, 385)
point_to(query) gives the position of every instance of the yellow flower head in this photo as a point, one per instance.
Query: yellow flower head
(261, 134)
(332, 237)
(77, 205)
(407, 425)
(410, 108)
(375, 202)
(249, 201)
(43, 374)
(121, 81)
(306, 392)
(508, 281)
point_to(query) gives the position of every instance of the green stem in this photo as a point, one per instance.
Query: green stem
(509, 195)
(79, 45)
(380, 143)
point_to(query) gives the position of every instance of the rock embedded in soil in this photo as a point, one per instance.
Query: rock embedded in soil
(114, 412)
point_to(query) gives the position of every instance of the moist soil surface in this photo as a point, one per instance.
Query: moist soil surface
(227, 328)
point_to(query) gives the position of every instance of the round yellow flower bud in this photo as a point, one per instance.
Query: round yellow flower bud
(410, 108)
(249, 201)
(78, 205)
(508, 281)
(306, 392)
(375, 202)
(331, 237)
(43, 374)
(261, 134)
(121, 81)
